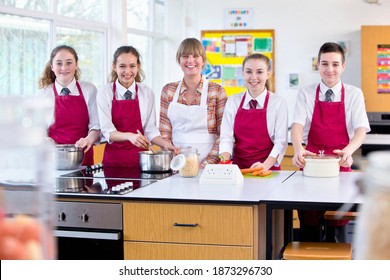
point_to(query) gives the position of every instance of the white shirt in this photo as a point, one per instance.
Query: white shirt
(146, 104)
(277, 122)
(355, 111)
(89, 93)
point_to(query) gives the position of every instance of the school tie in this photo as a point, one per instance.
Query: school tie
(253, 104)
(128, 95)
(65, 91)
(328, 95)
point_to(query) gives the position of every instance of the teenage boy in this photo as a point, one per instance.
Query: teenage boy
(328, 116)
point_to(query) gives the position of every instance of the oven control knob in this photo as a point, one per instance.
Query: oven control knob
(62, 216)
(85, 217)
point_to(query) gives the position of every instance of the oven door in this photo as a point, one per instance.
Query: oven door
(89, 231)
(82, 244)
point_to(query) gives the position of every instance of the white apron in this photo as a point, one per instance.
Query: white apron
(189, 123)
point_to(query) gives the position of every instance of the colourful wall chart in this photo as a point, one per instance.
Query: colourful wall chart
(383, 69)
(226, 50)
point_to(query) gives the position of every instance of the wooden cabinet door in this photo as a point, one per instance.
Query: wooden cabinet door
(172, 251)
(189, 223)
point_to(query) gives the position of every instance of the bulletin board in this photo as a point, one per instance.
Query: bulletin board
(226, 50)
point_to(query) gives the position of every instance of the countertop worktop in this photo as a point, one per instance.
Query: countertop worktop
(302, 189)
(280, 186)
(377, 139)
(371, 139)
(177, 188)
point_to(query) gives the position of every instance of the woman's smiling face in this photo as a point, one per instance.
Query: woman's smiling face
(191, 64)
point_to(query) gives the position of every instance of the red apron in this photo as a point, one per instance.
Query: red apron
(253, 143)
(71, 120)
(126, 117)
(328, 131)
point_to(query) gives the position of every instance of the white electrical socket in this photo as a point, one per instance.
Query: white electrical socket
(221, 174)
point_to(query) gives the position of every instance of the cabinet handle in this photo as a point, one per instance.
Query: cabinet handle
(185, 225)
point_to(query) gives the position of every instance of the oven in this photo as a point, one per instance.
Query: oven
(378, 139)
(89, 231)
(89, 215)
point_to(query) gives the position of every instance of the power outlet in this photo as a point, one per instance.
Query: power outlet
(221, 174)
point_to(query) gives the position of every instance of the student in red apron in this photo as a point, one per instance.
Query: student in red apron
(127, 112)
(191, 109)
(255, 123)
(329, 116)
(75, 119)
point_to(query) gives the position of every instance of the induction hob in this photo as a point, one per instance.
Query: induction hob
(106, 180)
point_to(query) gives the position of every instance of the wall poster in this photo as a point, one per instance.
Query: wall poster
(238, 18)
(226, 50)
(383, 69)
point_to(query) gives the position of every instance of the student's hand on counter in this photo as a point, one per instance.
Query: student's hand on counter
(257, 164)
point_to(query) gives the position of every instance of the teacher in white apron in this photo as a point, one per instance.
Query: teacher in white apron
(192, 109)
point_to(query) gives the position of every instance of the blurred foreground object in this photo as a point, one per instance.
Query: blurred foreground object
(27, 167)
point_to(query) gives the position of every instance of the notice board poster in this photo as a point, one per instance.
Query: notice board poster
(226, 50)
(383, 69)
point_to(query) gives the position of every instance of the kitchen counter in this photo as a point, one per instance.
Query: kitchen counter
(179, 218)
(177, 188)
(309, 193)
(150, 211)
(377, 139)
(371, 139)
(301, 189)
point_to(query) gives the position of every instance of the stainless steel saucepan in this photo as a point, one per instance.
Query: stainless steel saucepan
(155, 162)
(69, 156)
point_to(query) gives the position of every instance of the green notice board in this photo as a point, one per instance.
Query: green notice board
(225, 51)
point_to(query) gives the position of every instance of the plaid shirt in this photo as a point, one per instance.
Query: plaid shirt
(216, 99)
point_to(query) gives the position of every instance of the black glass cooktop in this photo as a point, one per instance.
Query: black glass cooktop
(107, 180)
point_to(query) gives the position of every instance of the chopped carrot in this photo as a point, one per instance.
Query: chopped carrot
(250, 170)
(264, 173)
(256, 173)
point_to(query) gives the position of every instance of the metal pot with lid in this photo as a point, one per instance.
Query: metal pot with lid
(322, 165)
